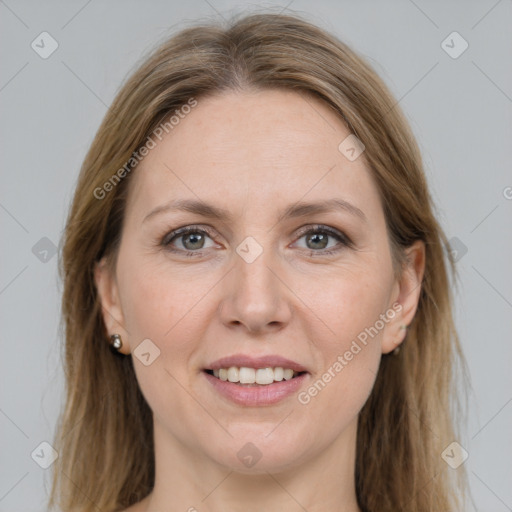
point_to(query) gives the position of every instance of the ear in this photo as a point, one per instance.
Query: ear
(405, 296)
(108, 294)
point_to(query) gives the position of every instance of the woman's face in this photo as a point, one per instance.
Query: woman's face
(256, 281)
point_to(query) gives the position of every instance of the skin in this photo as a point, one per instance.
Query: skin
(253, 154)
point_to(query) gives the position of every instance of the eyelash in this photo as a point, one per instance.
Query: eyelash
(341, 237)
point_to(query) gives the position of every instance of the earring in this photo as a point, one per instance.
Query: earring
(115, 341)
(397, 349)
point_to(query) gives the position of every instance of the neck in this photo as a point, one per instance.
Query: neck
(188, 480)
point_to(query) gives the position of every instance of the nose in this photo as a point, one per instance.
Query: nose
(256, 296)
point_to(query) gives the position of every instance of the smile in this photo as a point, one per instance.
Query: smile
(256, 376)
(255, 386)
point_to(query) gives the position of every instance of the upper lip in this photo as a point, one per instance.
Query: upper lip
(267, 361)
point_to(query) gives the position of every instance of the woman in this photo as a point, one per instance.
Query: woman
(256, 300)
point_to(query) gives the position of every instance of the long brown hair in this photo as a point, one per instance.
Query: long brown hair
(104, 434)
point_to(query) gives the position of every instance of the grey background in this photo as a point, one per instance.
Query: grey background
(460, 110)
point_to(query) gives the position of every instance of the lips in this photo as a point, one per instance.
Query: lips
(285, 378)
(256, 395)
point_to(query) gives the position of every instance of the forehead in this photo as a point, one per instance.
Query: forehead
(253, 149)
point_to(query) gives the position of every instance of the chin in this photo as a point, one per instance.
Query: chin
(262, 449)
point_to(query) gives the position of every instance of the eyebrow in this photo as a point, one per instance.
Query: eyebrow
(300, 209)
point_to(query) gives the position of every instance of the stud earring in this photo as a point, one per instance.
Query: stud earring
(397, 349)
(115, 341)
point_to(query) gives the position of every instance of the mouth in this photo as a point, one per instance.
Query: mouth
(254, 377)
(255, 387)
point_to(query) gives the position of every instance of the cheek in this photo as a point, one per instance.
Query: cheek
(349, 309)
(148, 306)
(165, 304)
(350, 301)
(156, 299)
(158, 305)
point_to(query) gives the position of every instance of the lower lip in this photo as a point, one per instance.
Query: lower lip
(267, 394)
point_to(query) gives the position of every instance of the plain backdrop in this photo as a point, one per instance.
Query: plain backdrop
(460, 109)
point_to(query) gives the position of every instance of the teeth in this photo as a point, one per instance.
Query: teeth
(233, 374)
(264, 376)
(278, 374)
(287, 374)
(245, 375)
